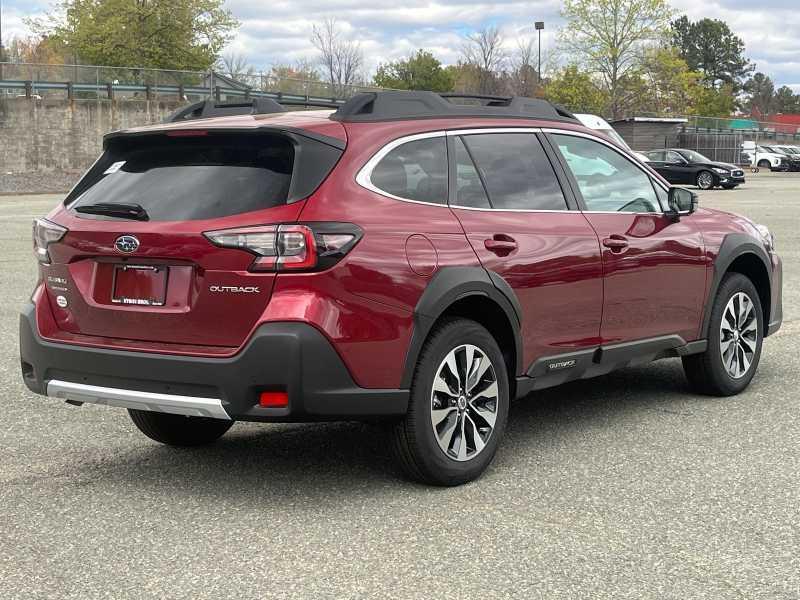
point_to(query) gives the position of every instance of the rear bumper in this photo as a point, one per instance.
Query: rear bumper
(289, 357)
(81, 393)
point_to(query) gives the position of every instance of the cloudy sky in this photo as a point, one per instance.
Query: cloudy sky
(278, 31)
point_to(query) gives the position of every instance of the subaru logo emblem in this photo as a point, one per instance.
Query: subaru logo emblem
(126, 244)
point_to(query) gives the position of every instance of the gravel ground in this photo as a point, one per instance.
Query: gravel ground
(626, 486)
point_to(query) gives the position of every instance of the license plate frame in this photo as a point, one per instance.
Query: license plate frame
(139, 285)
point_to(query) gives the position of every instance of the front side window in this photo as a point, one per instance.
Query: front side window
(516, 171)
(693, 156)
(674, 157)
(416, 170)
(608, 181)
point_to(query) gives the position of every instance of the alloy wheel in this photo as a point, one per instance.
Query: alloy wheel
(738, 335)
(705, 180)
(464, 402)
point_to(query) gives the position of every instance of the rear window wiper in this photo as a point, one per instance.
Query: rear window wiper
(121, 211)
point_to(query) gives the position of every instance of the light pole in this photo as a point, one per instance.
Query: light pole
(539, 26)
(1, 30)
(2, 53)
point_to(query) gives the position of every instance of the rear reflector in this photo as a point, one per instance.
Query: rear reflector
(274, 399)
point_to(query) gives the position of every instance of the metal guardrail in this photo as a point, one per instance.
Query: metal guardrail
(97, 82)
(31, 89)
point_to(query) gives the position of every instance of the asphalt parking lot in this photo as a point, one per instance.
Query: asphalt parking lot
(626, 486)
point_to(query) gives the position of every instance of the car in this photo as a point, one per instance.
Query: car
(793, 153)
(604, 127)
(792, 159)
(680, 166)
(405, 260)
(761, 157)
(789, 150)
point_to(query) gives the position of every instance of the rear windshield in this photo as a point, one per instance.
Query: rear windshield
(185, 178)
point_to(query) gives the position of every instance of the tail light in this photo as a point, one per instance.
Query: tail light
(291, 247)
(45, 233)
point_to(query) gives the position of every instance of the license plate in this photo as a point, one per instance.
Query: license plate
(142, 285)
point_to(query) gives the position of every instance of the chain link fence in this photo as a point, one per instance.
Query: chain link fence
(722, 139)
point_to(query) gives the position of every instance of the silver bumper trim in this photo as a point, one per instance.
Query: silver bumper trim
(166, 403)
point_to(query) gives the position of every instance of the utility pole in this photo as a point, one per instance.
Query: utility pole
(2, 51)
(539, 25)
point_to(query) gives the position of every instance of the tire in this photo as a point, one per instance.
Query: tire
(465, 442)
(764, 164)
(705, 180)
(179, 430)
(712, 372)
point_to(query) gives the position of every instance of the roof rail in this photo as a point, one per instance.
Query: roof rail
(395, 105)
(209, 108)
(482, 99)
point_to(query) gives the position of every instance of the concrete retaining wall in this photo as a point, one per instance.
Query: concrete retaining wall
(65, 135)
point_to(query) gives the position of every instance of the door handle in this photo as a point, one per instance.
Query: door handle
(501, 244)
(615, 243)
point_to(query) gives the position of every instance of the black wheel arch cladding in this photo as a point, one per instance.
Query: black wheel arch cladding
(733, 247)
(453, 284)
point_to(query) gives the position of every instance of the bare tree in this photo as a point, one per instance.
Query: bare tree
(341, 59)
(236, 66)
(523, 79)
(484, 51)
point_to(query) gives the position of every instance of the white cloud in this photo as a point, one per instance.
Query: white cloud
(278, 32)
(386, 30)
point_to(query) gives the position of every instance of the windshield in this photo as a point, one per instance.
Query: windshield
(616, 137)
(693, 156)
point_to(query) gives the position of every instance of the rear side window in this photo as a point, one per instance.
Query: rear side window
(516, 171)
(469, 188)
(203, 177)
(416, 170)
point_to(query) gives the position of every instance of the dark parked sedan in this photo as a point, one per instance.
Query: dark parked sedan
(689, 167)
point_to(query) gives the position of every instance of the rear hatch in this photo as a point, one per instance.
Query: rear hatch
(135, 263)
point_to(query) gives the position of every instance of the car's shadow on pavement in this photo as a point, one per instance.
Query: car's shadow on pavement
(320, 461)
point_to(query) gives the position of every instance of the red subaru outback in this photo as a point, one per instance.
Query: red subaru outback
(411, 257)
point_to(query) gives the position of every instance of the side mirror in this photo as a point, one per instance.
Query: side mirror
(682, 201)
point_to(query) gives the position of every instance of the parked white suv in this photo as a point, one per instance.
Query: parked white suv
(603, 126)
(764, 158)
